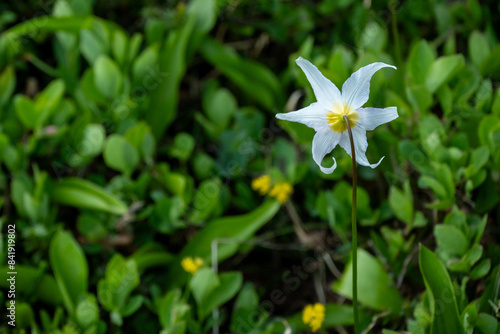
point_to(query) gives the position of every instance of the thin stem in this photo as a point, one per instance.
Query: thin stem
(354, 231)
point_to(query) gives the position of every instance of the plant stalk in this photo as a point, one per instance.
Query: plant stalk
(354, 230)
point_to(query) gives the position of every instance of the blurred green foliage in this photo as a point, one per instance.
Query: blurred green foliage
(130, 133)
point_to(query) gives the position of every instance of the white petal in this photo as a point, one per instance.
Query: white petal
(325, 91)
(314, 116)
(323, 143)
(360, 145)
(370, 118)
(356, 89)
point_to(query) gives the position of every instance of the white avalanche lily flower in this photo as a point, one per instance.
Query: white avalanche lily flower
(326, 116)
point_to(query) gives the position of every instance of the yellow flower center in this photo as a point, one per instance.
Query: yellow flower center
(281, 192)
(262, 184)
(336, 117)
(191, 265)
(313, 316)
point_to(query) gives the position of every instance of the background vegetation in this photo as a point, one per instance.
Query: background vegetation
(131, 132)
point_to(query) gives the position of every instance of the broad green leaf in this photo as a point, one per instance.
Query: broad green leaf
(401, 203)
(182, 146)
(206, 200)
(375, 287)
(479, 157)
(107, 76)
(444, 309)
(120, 279)
(145, 66)
(87, 311)
(451, 241)
(151, 255)
(142, 139)
(204, 281)
(70, 268)
(230, 284)
(171, 312)
(479, 48)
(90, 46)
(487, 324)
(220, 107)
(25, 111)
(421, 58)
(120, 155)
(119, 47)
(47, 101)
(85, 194)
(442, 70)
(491, 65)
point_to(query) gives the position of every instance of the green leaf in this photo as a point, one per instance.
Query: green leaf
(120, 279)
(183, 146)
(479, 157)
(119, 47)
(107, 76)
(142, 139)
(206, 200)
(47, 101)
(220, 107)
(256, 80)
(451, 241)
(171, 312)
(204, 281)
(479, 48)
(401, 203)
(90, 46)
(85, 194)
(120, 155)
(481, 270)
(442, 70)
(375, 287)
(230, 284)
(7, 84)
(444, 309)
(25, 111)
(421, 58)
(487, 324)
(87, 311)
(173, 62)
(70, 268)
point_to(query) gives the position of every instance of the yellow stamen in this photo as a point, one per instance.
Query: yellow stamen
(262, 184)
(191, 265)
(281, 191)
(313, 315)
(336, 117)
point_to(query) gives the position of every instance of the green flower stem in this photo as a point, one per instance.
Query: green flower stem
(354, 231)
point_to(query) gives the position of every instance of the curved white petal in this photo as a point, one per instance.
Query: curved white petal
(356, 89)
(325, 91)
(370, 118)
(314, 116)
(323, 143)
(360, 145)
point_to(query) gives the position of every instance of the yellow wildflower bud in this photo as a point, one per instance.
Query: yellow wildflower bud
(262, 184)
(281, 192)
(191, 265)
(313, 315)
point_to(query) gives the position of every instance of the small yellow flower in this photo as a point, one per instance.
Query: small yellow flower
(281, 191)
(262, 184)
(191, 265)
(313, 316)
